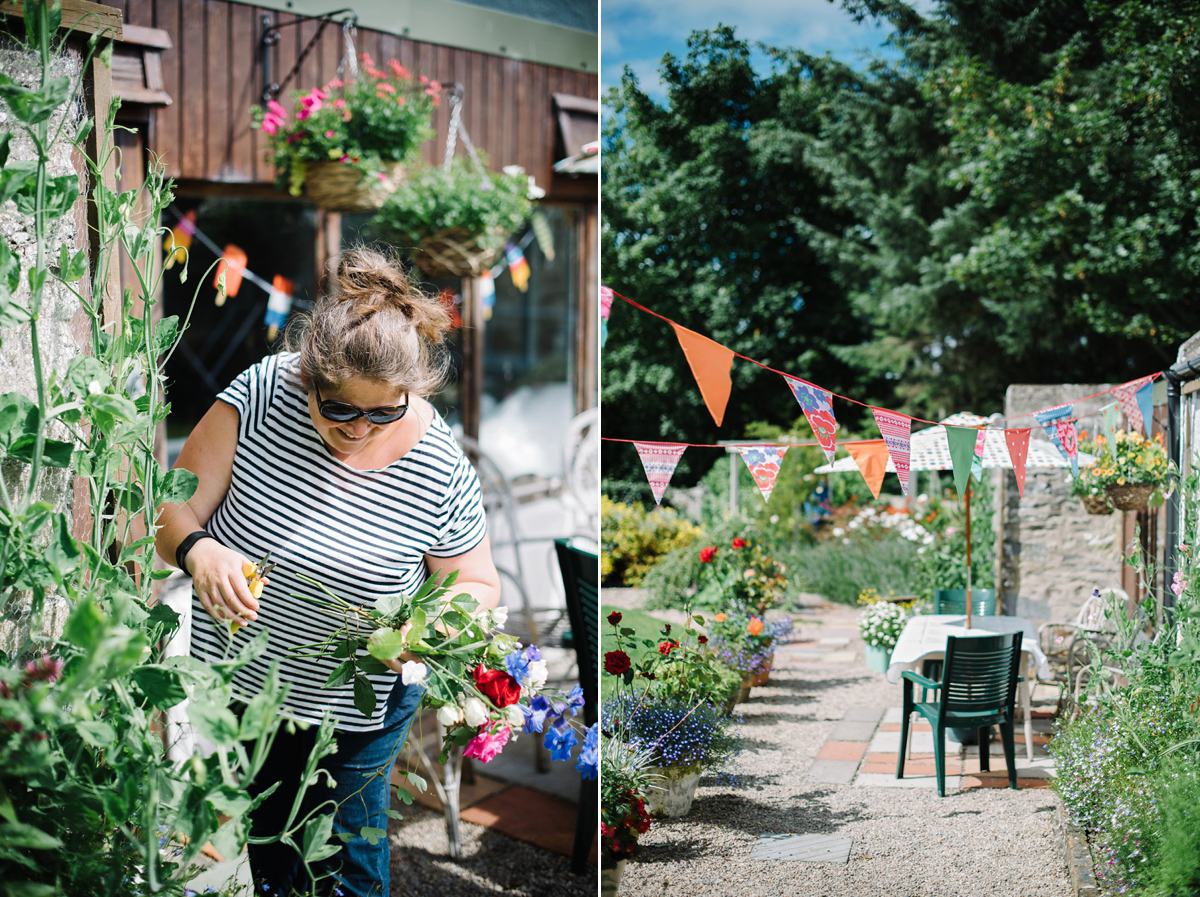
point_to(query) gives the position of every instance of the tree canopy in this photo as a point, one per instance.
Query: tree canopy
(1011, 198)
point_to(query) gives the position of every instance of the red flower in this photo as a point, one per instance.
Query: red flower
(616, 662)
(614, 618)
(702, 639)
(739, 543)
(708, 553)
(665, 648)
(499, 687)
(666, 628)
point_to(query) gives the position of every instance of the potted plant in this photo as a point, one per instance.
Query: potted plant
(457, 218)
(624, 784)
(668, 701)
(1090, 491)
(880, 624)
(743, 575)
(1132, 469)
(746, 643)
(345, 144)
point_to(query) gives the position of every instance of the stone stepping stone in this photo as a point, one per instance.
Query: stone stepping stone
(802, 848)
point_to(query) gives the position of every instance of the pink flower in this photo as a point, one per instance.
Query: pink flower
(329, 133)
(271, 124)
(339, 103)
(487, 744)
(334, 84)
(397, 69)
(365, 58)
(311, 103)
(385, 86)
(1177, 584)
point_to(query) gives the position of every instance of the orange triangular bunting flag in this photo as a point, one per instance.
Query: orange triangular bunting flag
(1018, 451)
(871, 456)
(710, 363)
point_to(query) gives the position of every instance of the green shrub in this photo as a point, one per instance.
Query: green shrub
(632, 541)
(838, 572)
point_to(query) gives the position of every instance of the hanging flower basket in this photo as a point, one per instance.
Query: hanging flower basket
(1096, 503)
(338, 187)
(1130, 496)
(453, 252)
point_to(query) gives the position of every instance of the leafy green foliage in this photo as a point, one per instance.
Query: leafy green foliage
(484, 207)
(633, 540)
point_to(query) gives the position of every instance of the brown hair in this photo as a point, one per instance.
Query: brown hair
(376, 324)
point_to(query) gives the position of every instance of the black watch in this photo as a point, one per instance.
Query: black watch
(186, 545)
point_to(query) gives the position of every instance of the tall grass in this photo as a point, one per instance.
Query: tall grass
(839, 572)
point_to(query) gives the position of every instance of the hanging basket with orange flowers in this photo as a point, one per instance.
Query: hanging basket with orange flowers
(1133, 470)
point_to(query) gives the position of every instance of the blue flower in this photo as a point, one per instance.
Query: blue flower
(589, 758)
(575, 699)
(535, 715)
(559, 743)
(532, 653)
(517, 665)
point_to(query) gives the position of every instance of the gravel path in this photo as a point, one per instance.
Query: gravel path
(905, 842)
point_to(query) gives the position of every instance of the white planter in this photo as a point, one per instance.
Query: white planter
(672, 789)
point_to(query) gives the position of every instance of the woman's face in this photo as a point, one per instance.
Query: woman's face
(352, 437)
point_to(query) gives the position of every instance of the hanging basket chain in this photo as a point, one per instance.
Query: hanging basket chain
(349, 64)
(271, 37)
(456, 128)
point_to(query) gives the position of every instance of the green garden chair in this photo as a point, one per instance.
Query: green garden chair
(978, 690)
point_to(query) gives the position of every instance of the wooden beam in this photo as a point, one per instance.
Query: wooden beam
(82, 15)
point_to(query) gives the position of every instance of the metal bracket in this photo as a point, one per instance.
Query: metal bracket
(270, 37)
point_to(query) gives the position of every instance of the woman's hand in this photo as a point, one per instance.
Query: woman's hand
(220, 582)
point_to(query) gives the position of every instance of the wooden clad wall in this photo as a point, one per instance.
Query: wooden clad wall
(213, 78)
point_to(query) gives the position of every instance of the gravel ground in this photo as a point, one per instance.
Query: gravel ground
(906, 842)
(492, 863)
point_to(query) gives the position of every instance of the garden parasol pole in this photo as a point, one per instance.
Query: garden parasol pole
(967, 500)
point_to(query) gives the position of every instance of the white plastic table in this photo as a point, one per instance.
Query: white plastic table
(924, 638)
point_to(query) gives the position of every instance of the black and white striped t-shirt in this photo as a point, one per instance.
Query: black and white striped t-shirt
(361, 533)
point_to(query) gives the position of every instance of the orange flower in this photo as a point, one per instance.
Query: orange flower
(720, 618)
(755, 626)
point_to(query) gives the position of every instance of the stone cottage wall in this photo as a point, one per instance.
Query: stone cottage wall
(1053, 552)
(60, 314)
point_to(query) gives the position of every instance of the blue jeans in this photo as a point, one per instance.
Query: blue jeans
(361, 767)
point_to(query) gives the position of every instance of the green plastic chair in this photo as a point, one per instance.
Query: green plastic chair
(954, 601)
(978, 690)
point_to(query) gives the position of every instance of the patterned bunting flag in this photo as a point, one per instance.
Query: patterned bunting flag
(1145, 402)
(763, 462)
(1018, 451)
(897, 432)
(179, 240)
(518, 267)
(1049, 418)
(659, 460)
(871, 456)
(230, 270)
(279, 306)
(1109, 418)
(606, 301)
(1127, 397)
(977, 459)
(710, 363)
(962, 454)
(818, 411)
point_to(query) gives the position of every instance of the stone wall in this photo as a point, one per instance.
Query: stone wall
(59, 319)
(1053, 552)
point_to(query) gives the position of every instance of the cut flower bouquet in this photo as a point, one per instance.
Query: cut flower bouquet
(378, 118)
(482, 682)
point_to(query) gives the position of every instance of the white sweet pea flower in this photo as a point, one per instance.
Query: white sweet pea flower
(513, 716)
(450, 715)
(475, 712)
(537, 673)
(499, 616)
(413, 672)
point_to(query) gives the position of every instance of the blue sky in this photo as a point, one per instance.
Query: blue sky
(638, 32)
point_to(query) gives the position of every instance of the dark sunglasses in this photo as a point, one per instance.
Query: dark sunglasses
(344, 412)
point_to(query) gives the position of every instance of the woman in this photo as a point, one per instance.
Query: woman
(330, 458)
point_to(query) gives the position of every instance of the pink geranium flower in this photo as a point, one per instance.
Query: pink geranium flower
(488, 743)
(311, 103)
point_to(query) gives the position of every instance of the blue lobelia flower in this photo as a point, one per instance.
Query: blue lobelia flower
(559, 743)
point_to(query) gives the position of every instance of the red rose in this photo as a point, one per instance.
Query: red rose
(614, 618)
(616, 662)
(499, 687)
(666, 628)
(667, 647)
(739, 543)
(702, 639)
(708, 553)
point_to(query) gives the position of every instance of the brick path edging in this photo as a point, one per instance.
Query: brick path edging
(1080, 865)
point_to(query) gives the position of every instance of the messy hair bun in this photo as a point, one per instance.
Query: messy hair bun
(374, 324)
